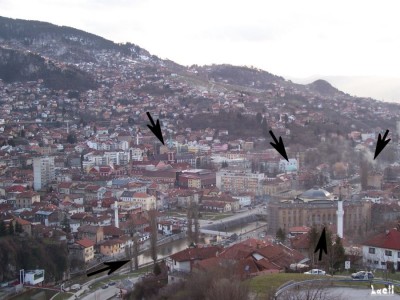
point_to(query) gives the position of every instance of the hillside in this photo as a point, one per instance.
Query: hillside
(59, 42)
(17, 65)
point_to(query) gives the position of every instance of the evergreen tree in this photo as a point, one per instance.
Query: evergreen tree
(314, 236)
(11, 228)
(66, 225)
(3, 230)
(338, 254)
(18, 228)
(71, 138)
(281, 235)
(157, 269)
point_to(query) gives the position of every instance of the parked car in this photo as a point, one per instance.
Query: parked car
(112, 283)
(76, 287)
(316, 272)
(104, 286)
(362, 275)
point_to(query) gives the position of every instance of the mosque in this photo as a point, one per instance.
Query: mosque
(320, 207)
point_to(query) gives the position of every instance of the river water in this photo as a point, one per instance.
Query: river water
(179, 245)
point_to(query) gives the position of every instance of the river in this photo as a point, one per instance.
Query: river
(179, 245)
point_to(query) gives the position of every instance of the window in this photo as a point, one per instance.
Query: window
(388, 252)
(371, 250)
(383, 263)
(398, 254)
(369, 261)
(376, 262)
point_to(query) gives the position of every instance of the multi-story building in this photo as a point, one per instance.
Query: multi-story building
(196, 178)
(383, 250)
(143, 200)
(26, 199)
(43, 172)
(239, 181)
(318, 206)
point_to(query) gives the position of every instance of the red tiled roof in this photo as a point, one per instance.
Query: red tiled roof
(141, 195)
(112, 230)
(22, 221)
(299, 229)
(85, 243)
(190, 254)
(390, 240)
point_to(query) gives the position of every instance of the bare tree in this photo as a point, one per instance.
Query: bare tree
(153, 233)
(315, 291)
(132, 251)
(189, 223)
(193, 219)
(135, 250)
(196, 233)
(227, 289)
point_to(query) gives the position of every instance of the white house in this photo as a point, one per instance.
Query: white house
(244, 200)
(288, 166)
(165, 227)
(383, 250)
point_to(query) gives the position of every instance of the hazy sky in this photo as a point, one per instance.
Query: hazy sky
(297, 39)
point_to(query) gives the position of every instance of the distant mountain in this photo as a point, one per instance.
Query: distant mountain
(62, 44)
(244, 76)
(324, 88)
(16, 65)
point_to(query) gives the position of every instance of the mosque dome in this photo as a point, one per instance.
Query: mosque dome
(316, 194)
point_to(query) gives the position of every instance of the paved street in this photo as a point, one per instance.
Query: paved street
(102, 294)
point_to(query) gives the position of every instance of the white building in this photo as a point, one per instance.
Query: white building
(383, 250)
(244, 200)
(239, 181)
(33, 277)
(288, 166)
(43, 172)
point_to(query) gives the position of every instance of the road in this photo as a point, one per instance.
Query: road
(102, 294)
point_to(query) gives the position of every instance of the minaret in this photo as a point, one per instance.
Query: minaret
(116, 214)
(340, 214)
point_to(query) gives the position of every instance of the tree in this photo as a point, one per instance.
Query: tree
(189, 224)
(311, 291)
(18, 228)
(338, 256)
(135, 250)
(196, 233)
(11, 228)
(314, 236)
(132, 252)
(71, 138)
(153, 234)
(281, 235)
(193, 219)
(157, 269)
(258, 118)
(65, 224)
(3, 229)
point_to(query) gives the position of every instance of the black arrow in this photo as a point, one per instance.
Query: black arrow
(155, 128)
(111, 265)
(322, 245)
(279, 145)
(381, 143)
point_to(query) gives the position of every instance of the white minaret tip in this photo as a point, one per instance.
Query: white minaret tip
(116, 214)
(340, 213)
